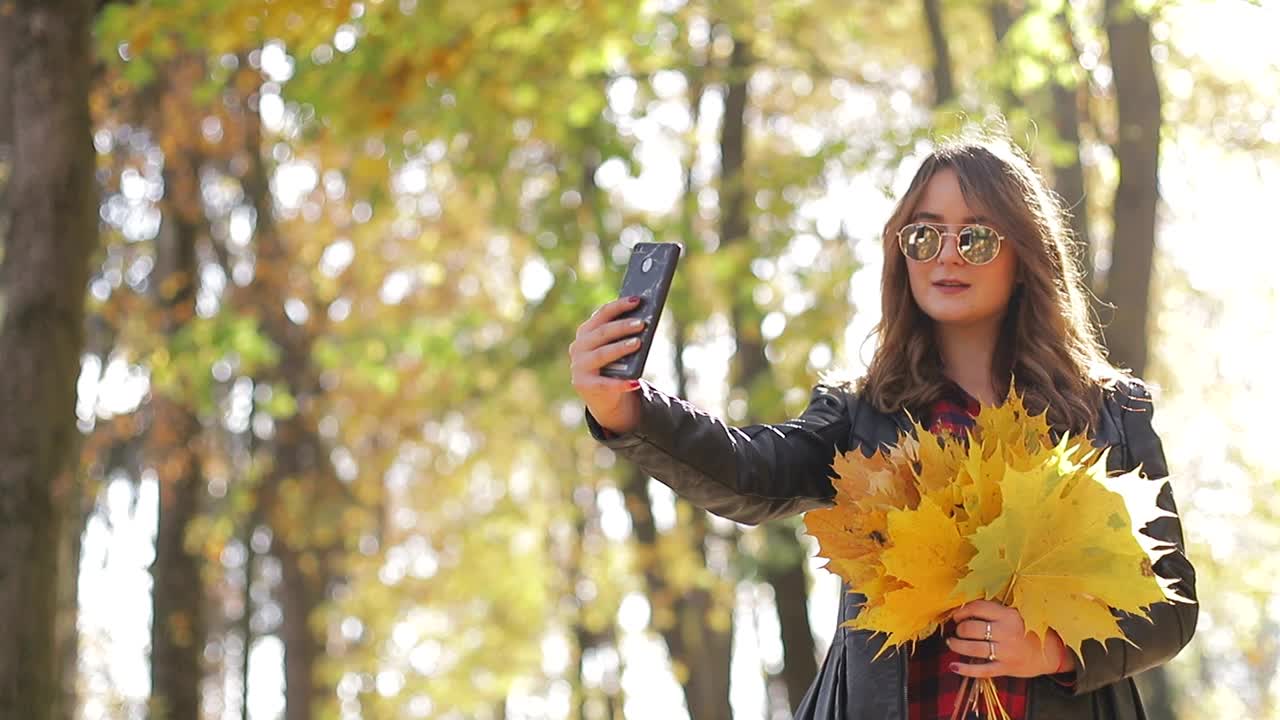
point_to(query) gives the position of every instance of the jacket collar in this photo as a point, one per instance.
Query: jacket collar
(879, 429)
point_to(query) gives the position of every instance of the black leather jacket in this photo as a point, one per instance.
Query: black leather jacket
(761, 472)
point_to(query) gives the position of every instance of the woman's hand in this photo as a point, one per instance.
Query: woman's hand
(1017, 652)
(599, 341)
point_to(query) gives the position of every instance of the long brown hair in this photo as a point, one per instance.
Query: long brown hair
(1047, 344)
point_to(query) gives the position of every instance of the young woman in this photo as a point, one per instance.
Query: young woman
(979, 286)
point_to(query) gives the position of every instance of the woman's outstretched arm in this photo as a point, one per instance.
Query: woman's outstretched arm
(747, 474)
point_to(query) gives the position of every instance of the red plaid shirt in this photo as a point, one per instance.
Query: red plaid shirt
(932, 689)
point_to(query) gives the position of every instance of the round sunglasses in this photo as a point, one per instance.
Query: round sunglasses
(977, 244)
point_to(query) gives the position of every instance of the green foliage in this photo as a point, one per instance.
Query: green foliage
(182, 367)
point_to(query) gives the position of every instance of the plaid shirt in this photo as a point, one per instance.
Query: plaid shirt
(932, 689)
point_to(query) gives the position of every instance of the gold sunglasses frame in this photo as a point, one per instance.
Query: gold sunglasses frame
(940, 229)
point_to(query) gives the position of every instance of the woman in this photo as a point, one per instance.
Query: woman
(978, 287)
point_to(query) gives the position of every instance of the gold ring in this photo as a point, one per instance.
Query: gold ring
(988, 636)
(991, 654)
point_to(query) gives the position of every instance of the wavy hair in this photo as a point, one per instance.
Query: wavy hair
(1047, 345)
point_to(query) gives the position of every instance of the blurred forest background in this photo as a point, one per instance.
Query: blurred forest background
(289, 285)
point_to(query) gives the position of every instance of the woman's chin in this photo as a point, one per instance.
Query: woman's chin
(956, 316)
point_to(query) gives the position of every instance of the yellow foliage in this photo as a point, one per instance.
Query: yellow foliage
(1002, 513)
(926, 558)
(1064, 551)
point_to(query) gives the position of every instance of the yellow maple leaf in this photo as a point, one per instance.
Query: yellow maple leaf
(1020, 432)
(927, 555)
(979, 482)
(1063, 550)
(877, 479)
(855, 530)
(938, 459)
(851, 534)
(851, 541)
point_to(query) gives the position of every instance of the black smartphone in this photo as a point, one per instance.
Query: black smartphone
(649, 274)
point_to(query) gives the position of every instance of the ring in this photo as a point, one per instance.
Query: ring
(988, 636)
(991, 654)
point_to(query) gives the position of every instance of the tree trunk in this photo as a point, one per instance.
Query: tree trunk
(785, 574)
(699, 652)
(67, 637)
(301, 593)
(1065, 97)
(45, 269)
(587, 517)
(1128, 281)
(1137, 93)
(1068, 173)
(178, 624)
(7, 40)
(944, 87)
(584, 637)
(709, 652)
(698, 645)
(299, 454)
(750, 371)
(1003, 16)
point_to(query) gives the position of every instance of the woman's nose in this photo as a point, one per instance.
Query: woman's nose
(950, 251)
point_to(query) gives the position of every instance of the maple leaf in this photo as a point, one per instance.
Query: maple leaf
(926, 557)
(850, 541)
(1023, 434)
(1065, 549)
(875, 480)
(938, 459)
(979, 483)
(853, 533)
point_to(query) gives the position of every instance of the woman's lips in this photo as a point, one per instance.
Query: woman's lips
(950, 289)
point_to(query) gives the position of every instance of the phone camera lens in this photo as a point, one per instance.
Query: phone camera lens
(647, 265)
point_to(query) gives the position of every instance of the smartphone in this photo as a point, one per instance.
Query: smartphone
(649, 274)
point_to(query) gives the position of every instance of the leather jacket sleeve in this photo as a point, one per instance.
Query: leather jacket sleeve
(1171, 624)
(747, 474)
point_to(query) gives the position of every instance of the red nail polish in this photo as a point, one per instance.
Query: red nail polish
(633, 299)
(955, 667)
(633, 384)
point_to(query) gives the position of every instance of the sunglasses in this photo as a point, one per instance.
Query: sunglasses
(977, 244)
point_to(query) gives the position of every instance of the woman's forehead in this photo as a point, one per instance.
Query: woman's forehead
(943, 199)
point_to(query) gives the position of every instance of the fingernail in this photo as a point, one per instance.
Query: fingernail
(955, 667)
(633, 384)
(633, 298)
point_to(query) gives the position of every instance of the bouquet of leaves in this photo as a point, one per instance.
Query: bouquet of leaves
(1002, 514)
